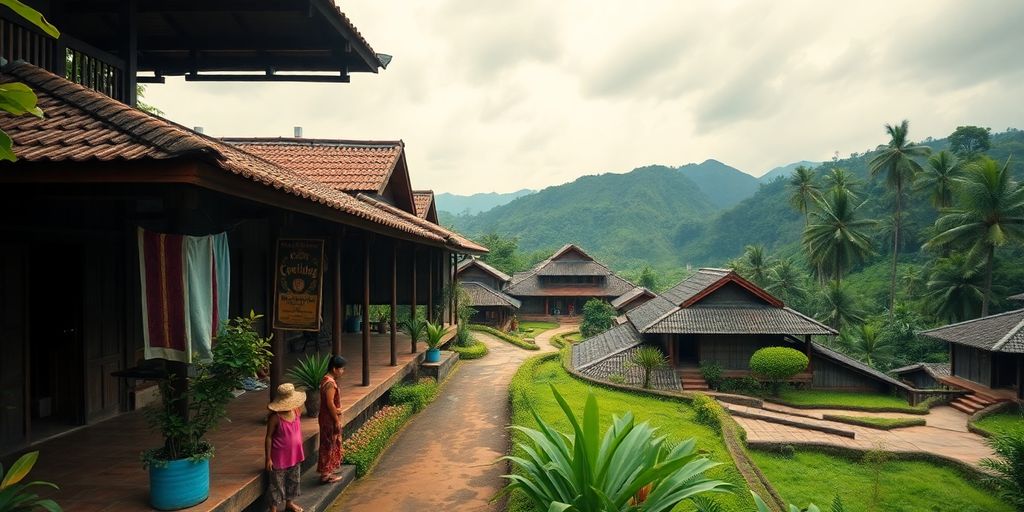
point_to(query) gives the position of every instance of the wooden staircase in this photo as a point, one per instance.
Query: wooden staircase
(973, 402)
(691, 379)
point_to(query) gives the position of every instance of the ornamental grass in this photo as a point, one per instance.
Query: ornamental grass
(363, 447)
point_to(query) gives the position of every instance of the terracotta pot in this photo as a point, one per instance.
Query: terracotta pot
(312, 403)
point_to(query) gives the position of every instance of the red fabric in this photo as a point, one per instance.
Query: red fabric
(330, 436)
(165, 290)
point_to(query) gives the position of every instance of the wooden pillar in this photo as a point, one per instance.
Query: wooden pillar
(455, 291)
(547, 310)
(807, 350)
(412, 312)
(430, 286)
(277, 344)
(952, 360)
(339, 312)
(366, 311)
(394, 304)
(131, 51)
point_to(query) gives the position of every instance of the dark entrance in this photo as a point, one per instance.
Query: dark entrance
(687, 353)
(1006, 371)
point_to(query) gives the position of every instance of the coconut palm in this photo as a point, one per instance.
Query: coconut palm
(955, 289)
(865, 343)
(836, 238)
(786, 281)
(837, 307)
(940, 177)
(803, 190)
(648, 359)
(842, 180)
(754, 264)
(990, 214)
(896, 161)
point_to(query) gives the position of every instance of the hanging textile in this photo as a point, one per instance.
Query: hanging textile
(185, 292)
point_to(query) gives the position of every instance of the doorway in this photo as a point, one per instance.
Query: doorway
(1006, 371)
(687, 353)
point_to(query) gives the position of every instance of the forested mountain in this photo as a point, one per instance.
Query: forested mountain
(785, 170)
(624, 219)
(476, 203)
(724, 185)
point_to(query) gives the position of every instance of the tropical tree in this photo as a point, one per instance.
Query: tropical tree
(503, 252)
(754, 264)
(648, 359)
(866, 343)
(968, 141)
(630, 468)
(940, 177)
(842, 180)
(896, 161)
(648, 279)
(786, 281)
(955, 289)
(597, 317)
(803, 190)
(1006, 469)
(837, 307)
(911, 279)
(836, 238)
(989, 214)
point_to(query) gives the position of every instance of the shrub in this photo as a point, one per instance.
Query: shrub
(363, 447)
(631, 469)
(707, 411)
(597, 317)
(778, 364)
(519, 342)
(1007, 468)
(745, 385)
(474, 350)
(648, 358)
(617, 378)
(712, 373)
(463, 336)
(417, 395)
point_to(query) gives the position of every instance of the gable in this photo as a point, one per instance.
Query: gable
(730, 293)
(571, 253)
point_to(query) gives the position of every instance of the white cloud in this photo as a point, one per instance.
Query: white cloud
(499, 96)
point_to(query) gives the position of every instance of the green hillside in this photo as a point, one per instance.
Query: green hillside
(724, 185)
(624, 219)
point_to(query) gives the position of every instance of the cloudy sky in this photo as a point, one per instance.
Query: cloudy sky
(499, 95)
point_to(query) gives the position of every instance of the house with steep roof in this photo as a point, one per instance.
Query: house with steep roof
(426, 208)
(484, 286)
(986, 357)
(717, 316)
(559, 286)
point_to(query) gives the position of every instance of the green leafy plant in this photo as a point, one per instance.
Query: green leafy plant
(418, 395)
(308, 371)
(712, 373)
(433, 335)
(416, 328)
(1007, 467)
(362, 448)
(597, 317)
(648, 359)
(778, 364)
(14, 496)
(240, 352)
(707, 411)
(630, 468)
(474, 350)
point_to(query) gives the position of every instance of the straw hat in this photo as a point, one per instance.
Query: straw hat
(288, 398)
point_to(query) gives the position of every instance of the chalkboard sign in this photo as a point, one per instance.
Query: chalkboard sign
(298, 272)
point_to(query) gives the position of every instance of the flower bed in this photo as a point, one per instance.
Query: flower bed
(504, 336)
(363, 447)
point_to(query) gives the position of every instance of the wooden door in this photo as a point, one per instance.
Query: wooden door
(103, 329)
(14, 347)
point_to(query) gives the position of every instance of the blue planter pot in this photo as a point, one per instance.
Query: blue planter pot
(181, 484)
(354, 323)
(433, 355)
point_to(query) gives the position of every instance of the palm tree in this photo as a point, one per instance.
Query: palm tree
(911, 277)
(648, 359)
(786, 281)
(940, 177)
(896, 160)
(755, 264)
(842, 180)
(990, 214)
(803, 190)
(955, 289)
(835, 239)
(866, 344)
(837, 307)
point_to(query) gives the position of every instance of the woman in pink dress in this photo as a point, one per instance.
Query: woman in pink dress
(284, 454)
(330, 422)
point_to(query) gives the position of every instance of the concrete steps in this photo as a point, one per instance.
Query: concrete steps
(791, 420)
(972, 402)
(692, 379)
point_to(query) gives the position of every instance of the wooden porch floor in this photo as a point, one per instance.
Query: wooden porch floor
(98, 467)
(996, 394)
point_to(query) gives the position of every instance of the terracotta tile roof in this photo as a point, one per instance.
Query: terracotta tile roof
(476, 262)
(347, 165)
(82, 124)
(452, 238)
(997, 333)
(360, 38)
(483, 295)
(423, 200)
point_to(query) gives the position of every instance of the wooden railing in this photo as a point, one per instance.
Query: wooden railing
(18, 42)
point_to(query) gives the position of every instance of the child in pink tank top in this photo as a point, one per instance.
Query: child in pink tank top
(284, 454)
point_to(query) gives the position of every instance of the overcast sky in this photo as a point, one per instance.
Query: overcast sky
(503, 95)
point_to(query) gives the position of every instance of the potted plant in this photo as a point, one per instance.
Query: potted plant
(307, 374)
(15, 495)
(179, 471)
(416, 328)
(382, 317)
(433, 339)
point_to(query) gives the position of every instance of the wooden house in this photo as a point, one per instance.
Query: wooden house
(559, 286)
(716, 316)
(484, 286)
(426, 207)
(986, 357)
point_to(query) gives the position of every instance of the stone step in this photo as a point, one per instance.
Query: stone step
(963, 407)
(974, 401)
(800, 422)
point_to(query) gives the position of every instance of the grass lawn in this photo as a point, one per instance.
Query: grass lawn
(905, 486)
(532, 329)
(1001, 422)
(574, 337)
(840, 399)
(674, 419)
(879, 423)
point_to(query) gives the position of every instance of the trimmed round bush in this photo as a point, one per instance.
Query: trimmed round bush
(778, 363)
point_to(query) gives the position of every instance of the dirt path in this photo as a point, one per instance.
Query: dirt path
(444, 459)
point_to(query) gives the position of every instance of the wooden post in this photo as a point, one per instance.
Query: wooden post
(807, 350)
(430, 286)
(131, 51)
(412, 312)
(394, 304)
(339, 312)
(366, 311)
(547, 311)
(455, 292)
(277, 344)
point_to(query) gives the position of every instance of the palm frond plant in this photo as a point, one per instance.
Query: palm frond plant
(804, 191)
(416, 328)
(630, 468)
(836, 237)
(308, 371)
(434, 333)
(1007, 467)
(648, 359)
(15, 496)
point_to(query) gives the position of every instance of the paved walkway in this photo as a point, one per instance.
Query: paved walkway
(444, 459)
(945, 433)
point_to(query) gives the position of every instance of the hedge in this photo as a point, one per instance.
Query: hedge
(874, 422)
(417, 395)
(561, 341)
(519, 342)
(474, 350)
(363, 447)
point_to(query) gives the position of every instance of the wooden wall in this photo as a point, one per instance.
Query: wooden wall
(831, 375)
(972, 364)
(733, 351)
